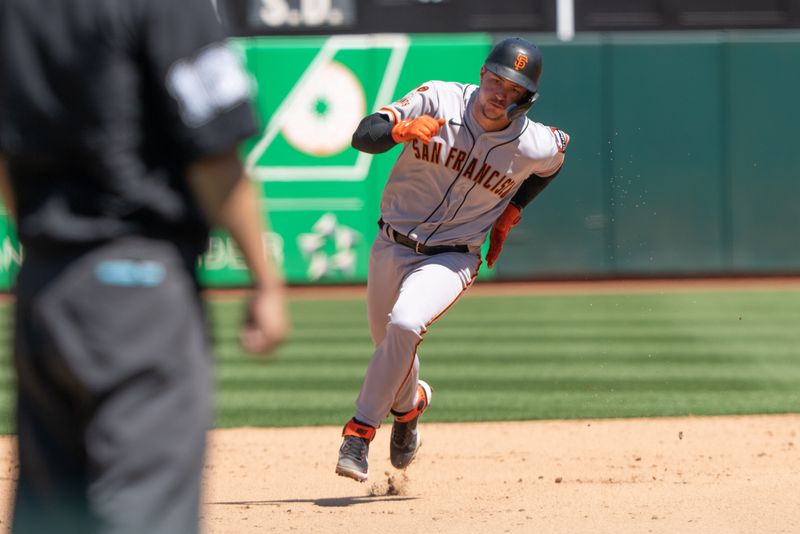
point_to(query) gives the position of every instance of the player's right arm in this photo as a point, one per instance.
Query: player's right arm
(376, 134)
(411, 117)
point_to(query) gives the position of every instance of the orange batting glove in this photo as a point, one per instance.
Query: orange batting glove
(422, 128)
(507, 220)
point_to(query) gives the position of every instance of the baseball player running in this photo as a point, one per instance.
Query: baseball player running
(471, 161)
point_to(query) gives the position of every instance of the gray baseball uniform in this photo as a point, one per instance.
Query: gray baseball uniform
(445, 193)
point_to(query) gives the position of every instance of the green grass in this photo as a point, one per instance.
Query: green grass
(527, 357)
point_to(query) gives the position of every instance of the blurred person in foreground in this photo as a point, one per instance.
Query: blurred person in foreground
(119, 123)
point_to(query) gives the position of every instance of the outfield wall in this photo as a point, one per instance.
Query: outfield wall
(681, 160)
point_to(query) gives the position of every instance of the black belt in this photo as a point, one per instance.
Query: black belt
(418, 247)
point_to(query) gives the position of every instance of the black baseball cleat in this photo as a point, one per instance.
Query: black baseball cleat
(354, 451)
(405, 440)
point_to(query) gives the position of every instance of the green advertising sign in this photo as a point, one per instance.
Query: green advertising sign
(312, 93)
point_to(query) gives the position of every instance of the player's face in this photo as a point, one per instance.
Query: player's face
(496, 94)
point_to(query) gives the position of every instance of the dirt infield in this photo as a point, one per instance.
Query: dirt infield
(671, 475)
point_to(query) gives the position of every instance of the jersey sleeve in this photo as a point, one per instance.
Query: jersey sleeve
(556, 142)
(199, 83)
(421, 101)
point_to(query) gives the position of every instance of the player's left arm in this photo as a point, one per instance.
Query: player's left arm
(512, 215)
(530, 189)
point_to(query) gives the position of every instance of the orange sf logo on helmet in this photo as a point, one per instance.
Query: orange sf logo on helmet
(521, 61)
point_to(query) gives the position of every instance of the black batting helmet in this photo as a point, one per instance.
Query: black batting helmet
(518, 61)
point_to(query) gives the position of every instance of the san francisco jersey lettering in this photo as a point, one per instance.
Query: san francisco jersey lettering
(452, 189)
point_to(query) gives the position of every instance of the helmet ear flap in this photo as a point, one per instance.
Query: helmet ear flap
(520, 108)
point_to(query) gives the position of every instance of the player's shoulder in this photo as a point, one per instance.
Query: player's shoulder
(544, 137)
(439, 87)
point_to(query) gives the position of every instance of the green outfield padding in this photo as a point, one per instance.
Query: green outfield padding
(527, 357)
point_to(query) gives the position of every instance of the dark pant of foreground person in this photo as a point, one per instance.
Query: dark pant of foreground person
(113, 403)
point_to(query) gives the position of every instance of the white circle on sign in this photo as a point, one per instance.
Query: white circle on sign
(325, 111)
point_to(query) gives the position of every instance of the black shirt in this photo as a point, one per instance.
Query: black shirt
(103, 105)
